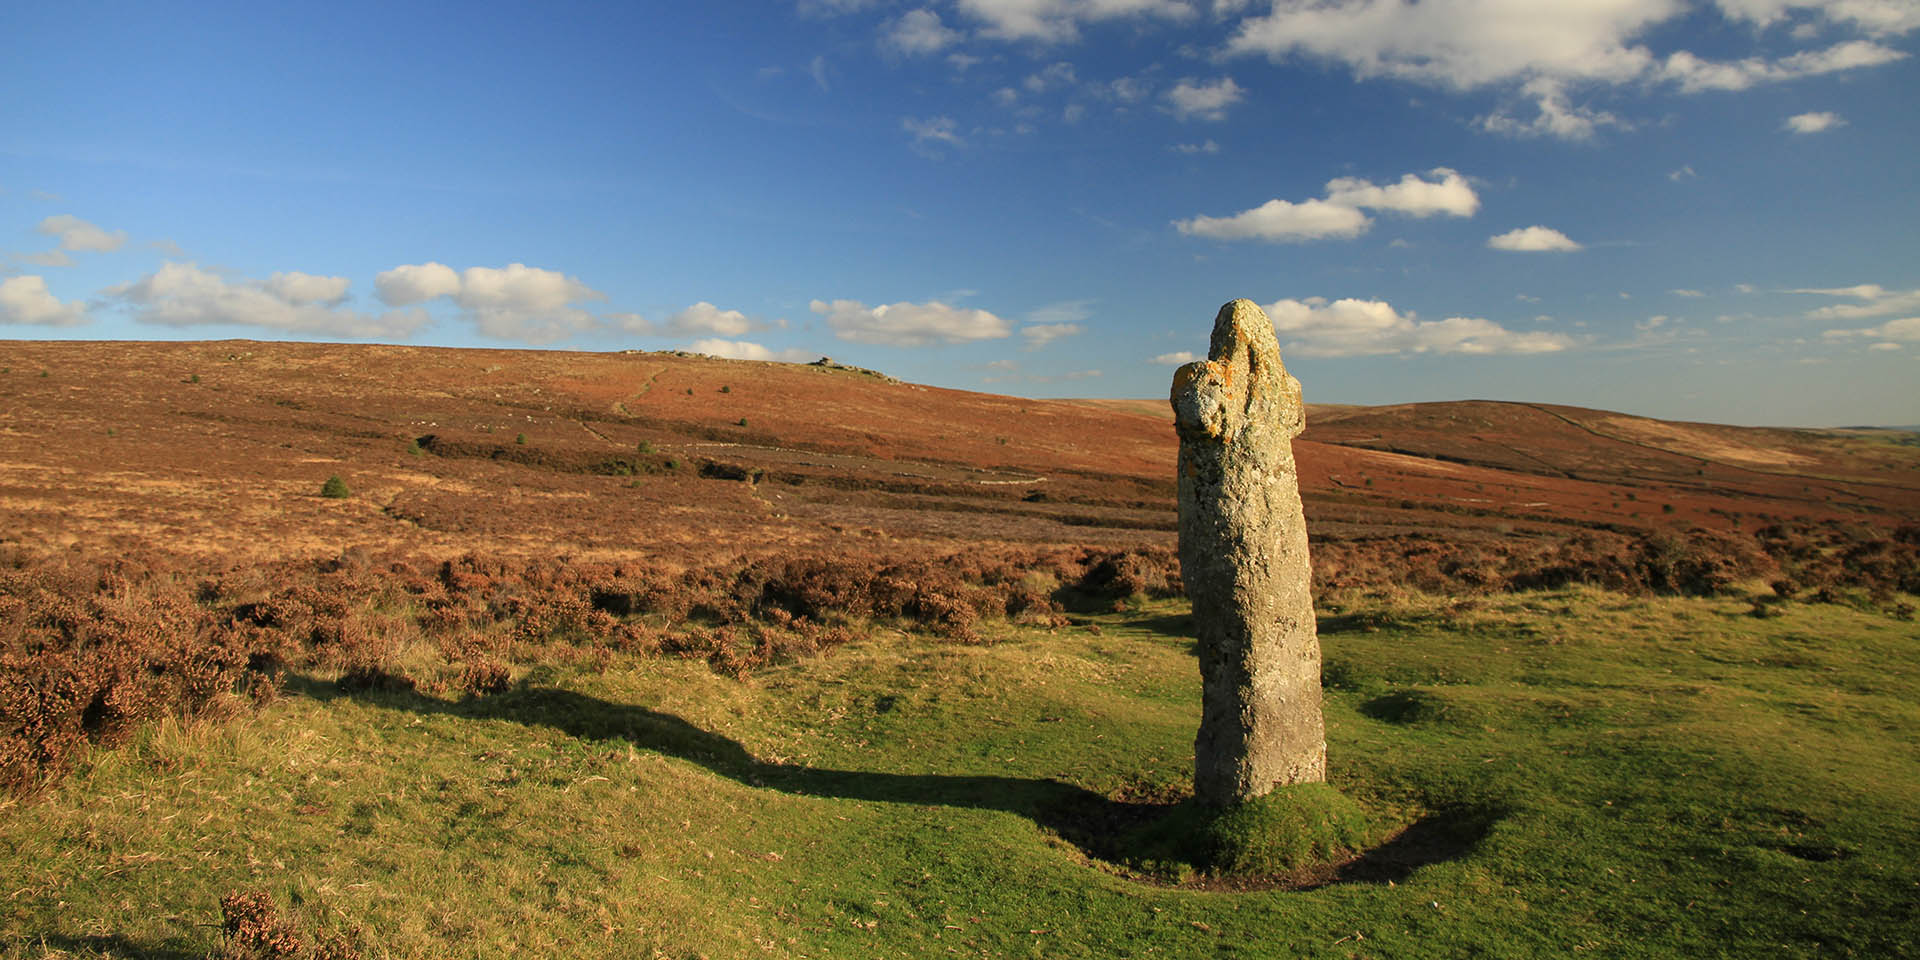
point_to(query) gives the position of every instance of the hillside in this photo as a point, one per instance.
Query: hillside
(219, 450)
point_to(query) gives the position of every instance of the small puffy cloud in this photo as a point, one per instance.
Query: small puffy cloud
(80, 236)
(745, 350)
(917, 33)
(1339, 214)
(1131, 89)
(1040, 334)
(1205, 146)
(26, 300)
(182, 294)
(1683, 292)
(1813, 122)
(1684, 173)
(303, 288)
(931, 131)
(1554, 116)
(515, 302)
(1533, 239)
(1413, 196)
(1054, 75)
(417, 283)
(1177, 358)
(1059, 21)
(910, 324)
(1281, 221)
(704, 317)
(1193, 100)
(1353, 328)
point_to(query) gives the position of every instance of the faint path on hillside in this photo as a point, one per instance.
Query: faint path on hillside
(620, 406)
(584, 426)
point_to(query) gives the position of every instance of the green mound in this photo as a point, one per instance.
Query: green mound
(1289, 831)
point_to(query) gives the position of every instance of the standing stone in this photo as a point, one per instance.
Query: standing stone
(1243, 556)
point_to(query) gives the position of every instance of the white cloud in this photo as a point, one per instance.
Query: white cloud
(1877, 301)
(516, 302)
(417, 283)
(1059, 21)
(817, 69)
(1177, 358)
(910, 324)
(303, 288)
(182, 294)
(917, 33)
(1352, 328)
(80, 236)
(1131, 89)
(1532, 240)
(1412, 196)
(1339, 214)
(1066, 311)
(1191, 99)
(26, 300)
(1872, 16)
(1555, 115)
(704, 317)
(932, 130)
(1546, 48)
(1461, 43)
(1054, 75)
(1813, 122)
(1040, 334)
(745, 350)
(1281, 221)
(1907, 329)
(1694, 74)
(1684, 173)
(1683, 292)
(1207, 146)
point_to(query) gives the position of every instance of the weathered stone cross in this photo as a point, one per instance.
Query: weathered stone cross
(1243, 556)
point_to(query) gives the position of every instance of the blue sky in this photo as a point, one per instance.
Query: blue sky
(1697, 210)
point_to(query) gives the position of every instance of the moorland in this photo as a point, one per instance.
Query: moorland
(322, 650)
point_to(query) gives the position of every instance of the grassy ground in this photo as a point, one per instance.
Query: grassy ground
(1584, 774)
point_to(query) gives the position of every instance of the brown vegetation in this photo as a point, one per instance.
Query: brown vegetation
(168, 550)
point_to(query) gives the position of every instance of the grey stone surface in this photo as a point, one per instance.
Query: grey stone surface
(1243, 556)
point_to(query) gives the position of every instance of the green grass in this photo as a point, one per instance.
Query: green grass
(1587, 774)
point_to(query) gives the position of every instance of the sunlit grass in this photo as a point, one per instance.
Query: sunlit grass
(1624, 776)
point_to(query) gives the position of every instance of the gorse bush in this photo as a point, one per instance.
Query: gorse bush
(335, 488)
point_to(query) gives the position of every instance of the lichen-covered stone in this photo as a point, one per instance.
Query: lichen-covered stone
(1243, 557)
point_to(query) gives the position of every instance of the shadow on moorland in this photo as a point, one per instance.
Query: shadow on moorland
(116, 946)
(1099, 826)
